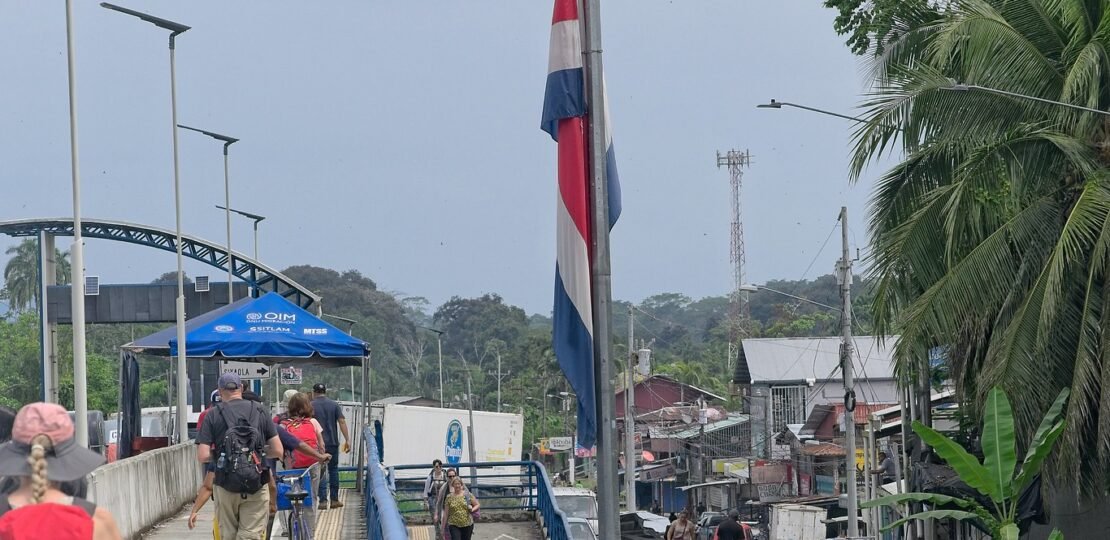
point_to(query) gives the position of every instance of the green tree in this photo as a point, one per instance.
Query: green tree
(996, 478)
(872, 25)
(21, 274)
(469, 324)
(992, 233)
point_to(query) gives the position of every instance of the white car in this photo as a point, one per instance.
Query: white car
(579, 529)
(577, 503)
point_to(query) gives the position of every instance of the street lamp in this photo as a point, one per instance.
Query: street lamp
(228, 141)
(182, 382)
(962, 87)
(756, 288)
(350, 328)
(257, 218)
(77, 289)
(439, 353)
(780, 104)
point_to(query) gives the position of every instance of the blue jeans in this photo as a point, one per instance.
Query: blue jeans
(330, 480)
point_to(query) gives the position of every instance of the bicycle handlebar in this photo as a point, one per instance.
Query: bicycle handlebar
(291, 479)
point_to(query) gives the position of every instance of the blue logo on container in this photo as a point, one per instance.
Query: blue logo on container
(452, 448)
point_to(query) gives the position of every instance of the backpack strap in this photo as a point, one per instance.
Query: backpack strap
(5, 506)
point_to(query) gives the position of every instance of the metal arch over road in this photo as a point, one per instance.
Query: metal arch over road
(254, 273)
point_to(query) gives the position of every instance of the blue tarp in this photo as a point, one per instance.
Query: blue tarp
(265, 329)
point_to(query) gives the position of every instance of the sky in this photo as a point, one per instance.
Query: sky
(401, 138)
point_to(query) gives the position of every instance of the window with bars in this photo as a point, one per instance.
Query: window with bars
(788, 406)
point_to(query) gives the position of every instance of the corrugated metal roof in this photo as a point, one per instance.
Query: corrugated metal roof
(798, 359)
(823, 449)
(732, 420)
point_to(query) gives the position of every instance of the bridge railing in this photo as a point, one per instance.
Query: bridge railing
(142, 491)
(499, 486)
(383, 519)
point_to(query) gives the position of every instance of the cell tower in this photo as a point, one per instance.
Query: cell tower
(739, 309)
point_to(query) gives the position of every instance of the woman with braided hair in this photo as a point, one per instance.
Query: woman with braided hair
(43, 455)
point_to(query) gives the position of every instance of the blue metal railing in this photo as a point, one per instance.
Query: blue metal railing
(383, 519)
(514, 485)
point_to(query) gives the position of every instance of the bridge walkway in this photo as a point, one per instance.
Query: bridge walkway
(337, 524)
(527, 530)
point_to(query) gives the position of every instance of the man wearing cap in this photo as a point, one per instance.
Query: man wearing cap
(328, 413)
(730, 527)
(241, 515)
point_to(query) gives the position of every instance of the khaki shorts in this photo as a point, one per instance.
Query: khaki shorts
(241, 518)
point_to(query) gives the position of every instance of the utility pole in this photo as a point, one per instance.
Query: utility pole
(845, 271)
(499, 379)
(630, 422)
(470, 428)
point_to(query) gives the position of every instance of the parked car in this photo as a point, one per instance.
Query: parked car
(707, 525)
(579, 529)
(578, 503)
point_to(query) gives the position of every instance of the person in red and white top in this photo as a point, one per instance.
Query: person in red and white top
(299, 422)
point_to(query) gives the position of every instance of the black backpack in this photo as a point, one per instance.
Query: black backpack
(239, 461)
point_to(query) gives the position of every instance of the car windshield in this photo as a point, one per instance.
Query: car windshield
(582, 506)
(580, 531)
(715, 520)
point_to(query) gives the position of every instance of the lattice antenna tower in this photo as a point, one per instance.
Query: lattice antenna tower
(740, 310)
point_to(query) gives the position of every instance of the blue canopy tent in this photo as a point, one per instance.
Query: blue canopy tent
(268, 329)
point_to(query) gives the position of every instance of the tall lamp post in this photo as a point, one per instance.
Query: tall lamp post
(77, 290)
(255, 217)
(439, 353)
(228, 141)
(182, 381)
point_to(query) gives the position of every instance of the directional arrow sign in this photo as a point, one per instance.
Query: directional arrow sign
(246, 370)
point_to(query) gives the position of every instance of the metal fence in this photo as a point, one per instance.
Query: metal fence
(383, 519)
(528, 489)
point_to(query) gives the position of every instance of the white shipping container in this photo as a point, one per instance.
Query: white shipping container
(797, 522)
(413, 435)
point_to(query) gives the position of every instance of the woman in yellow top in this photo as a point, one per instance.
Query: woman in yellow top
(458, 509)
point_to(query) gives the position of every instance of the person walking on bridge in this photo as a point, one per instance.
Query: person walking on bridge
(243, 435)
(330, 414)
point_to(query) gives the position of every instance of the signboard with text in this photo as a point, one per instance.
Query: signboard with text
(556, 444)
(246, 370)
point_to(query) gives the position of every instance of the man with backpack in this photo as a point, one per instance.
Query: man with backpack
(237, 436)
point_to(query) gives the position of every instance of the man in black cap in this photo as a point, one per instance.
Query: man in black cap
(242, 500)
(730, 527)
(329, 414)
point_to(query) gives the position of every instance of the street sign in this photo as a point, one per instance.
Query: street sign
(657, 473)
(556, 444)
(291, 375)
(246, 370)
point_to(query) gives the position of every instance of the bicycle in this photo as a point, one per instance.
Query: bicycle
(298, 526)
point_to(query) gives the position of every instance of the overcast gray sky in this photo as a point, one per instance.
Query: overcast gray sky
(402, 138)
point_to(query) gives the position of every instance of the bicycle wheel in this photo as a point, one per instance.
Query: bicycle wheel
(295, 532)
(302, 526)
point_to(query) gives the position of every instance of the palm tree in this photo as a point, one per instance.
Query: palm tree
(992, 233)
(21, 274)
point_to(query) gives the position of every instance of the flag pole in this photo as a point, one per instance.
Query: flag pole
(607, 487)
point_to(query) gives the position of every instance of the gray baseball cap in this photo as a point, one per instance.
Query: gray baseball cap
(230, 381)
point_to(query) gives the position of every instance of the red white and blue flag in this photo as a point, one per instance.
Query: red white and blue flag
(565, 119)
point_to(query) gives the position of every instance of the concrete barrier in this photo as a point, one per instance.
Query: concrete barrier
(148, 488)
